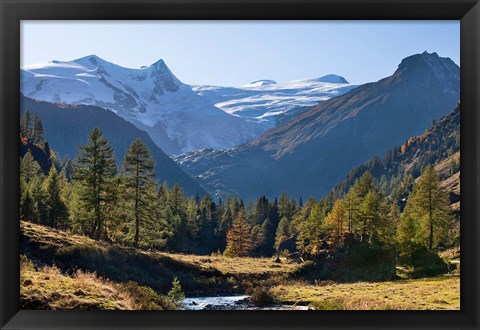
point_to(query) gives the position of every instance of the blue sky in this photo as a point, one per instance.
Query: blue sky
(238, 52)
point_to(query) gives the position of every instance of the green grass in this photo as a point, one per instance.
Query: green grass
(120, 264)
(85, 274)
(437, 293)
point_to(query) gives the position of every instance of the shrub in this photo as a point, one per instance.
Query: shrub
(145, 298)
(425, 263)
(261, 297)
(329, 304)
(176, 294)
(26, 264)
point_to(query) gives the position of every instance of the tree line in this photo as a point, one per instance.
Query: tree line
(128, 206)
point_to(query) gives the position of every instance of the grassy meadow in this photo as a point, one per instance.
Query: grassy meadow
(63, 271)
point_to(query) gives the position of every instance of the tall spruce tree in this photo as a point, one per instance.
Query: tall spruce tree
(95, 170)
(138, 171)
(29, 168)
(57, 212)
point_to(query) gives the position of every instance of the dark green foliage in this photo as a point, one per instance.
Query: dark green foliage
(39, 198)
(29, 168)
(361, 261)
(95, 171)
(31, 128)
(57, 212)
(26, 202)
(282, 233)
(424, 263)
(138, 180)
(367, 262)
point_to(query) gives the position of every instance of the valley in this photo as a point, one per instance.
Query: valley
(141, 192)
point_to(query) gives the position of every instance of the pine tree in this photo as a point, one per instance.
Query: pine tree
(176, 294)
(26, 202)
(57, 212)
(357, 212)
(239, 239)
(374, 215)
(95, 171)
(39, 197)
(282, 233)
(175, 213)
(37, 133)
(29, 168)
(138, 171)
(155, 231)
(25, 124)
(285, 209)
(428, 205)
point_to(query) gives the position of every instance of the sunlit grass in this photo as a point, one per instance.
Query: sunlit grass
(420, 294)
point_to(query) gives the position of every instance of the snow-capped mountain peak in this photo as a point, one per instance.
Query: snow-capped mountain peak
(152, 98)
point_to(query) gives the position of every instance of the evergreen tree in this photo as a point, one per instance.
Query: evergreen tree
(57, 212)
(282, 233)
(37, 133)
(95, 171)
(138, 172)
(39, 197)
(175, 214)
(176, 294)
(25, 124)
(26, 202)
(285, 208)
(374, 216)
(29, 168)
(207, 226)
(428, 205)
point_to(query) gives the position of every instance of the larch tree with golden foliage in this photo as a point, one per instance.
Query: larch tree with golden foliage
(239, 238)
(336, 221)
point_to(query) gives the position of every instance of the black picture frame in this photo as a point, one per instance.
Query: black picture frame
(13, 11)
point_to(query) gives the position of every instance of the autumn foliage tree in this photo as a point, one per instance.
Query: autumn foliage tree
(239, 238)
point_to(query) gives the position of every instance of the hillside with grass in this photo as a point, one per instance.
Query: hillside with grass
(62, 271)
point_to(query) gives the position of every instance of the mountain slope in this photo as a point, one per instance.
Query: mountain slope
(152, 98)
(438, 146)
(310, 154)
(66, 127)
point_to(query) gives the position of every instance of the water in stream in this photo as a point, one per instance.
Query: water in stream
(231, 303)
